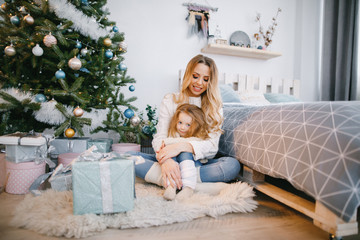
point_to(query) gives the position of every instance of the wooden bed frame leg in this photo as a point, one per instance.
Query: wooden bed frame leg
(322, 217)
(328, 221)
(252, 176)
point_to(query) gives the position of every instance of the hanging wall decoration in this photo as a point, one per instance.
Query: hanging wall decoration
(198, 18)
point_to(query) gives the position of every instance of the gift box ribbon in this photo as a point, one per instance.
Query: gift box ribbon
(106, 191)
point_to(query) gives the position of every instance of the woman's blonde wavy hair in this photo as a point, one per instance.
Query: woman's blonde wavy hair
(198, 127)
(211, 102)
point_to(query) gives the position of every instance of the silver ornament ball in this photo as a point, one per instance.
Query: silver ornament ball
(84, 51)
(135, 120)
(123, 46)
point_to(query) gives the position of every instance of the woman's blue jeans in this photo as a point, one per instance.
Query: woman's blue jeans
(223, 169)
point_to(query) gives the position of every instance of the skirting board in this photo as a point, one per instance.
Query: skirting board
(322, 217)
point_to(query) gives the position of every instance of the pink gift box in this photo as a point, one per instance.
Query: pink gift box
(22, 175)
(125, 147)
(2, 170)
(66, 158)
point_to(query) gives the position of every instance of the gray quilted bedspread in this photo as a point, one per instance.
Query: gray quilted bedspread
(314, 146)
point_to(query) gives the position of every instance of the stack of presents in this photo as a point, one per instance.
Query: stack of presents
(102, 180)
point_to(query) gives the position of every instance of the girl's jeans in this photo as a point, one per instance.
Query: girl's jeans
(223, 169)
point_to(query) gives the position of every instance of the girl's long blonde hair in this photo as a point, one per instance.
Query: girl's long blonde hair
(198, 128)
(210, 99)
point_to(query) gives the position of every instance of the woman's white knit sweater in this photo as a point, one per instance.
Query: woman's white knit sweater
(202, 149)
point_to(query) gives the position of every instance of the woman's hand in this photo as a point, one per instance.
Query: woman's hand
(172, 150)
(170, 170)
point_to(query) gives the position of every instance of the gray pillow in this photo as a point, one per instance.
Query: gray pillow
(279, 98)
(228, 94)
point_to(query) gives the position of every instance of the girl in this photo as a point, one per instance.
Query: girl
(187, 124)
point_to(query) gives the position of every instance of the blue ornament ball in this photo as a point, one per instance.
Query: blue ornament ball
(131, 88)
(85, 2)
(109, 54)
(260, 47)
(40, 97)
(129, 113)
(15, 20)
(146, 130)
(60, 74)
(78, 45)
(122, 67)
(115, 29)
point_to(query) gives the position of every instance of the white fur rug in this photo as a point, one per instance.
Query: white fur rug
(52, 213)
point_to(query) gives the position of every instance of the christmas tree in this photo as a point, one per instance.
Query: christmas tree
(63, 67)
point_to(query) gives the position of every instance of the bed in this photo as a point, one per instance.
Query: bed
(315, 146)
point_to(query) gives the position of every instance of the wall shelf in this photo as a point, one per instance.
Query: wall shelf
(239, 51)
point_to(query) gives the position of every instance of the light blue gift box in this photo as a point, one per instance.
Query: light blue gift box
(103, 186)
(24, 147)
(103, 145)
(65, 145)
(19, 154)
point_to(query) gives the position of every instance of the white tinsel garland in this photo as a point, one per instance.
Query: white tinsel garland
(18, 94)
(82, 23)
(48, 113)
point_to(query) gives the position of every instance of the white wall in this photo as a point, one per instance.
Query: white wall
(158, 45)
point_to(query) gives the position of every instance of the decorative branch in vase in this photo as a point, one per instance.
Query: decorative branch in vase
(268, 35)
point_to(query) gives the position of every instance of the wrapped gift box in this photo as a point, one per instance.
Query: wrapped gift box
(103, 144)
(66, 145)
(103, 186)
(2, 171)
(61, 182)
(22, 175)
(125, 147)
(24, 147)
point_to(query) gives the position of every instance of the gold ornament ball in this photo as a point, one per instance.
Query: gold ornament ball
(10, 51)
(4, 6)
(107, 42)
(69, 132)
(29, 19)
(78, 112)
(49, 40)
(74, 63)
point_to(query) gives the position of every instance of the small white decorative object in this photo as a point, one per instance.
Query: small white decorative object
(49, 40)
(10, 51)
(74, 63)
(37, 50)
(84, 51)
(22, 9)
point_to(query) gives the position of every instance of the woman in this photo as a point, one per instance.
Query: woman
(199, 87)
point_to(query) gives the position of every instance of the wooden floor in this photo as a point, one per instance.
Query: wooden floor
(271, 220)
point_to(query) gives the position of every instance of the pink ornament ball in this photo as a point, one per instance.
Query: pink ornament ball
(49, 40)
